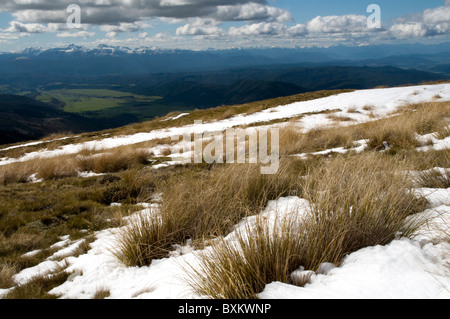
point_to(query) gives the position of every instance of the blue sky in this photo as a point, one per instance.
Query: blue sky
(198, 24)
(306, 10)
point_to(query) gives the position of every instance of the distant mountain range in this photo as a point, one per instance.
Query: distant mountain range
(187, 79)
(107, 60)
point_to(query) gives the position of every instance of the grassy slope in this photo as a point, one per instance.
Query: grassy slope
(34, 216)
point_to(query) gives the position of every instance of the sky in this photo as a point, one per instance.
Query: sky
(220, 24)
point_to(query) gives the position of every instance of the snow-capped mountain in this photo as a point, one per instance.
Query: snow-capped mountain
(100, 50)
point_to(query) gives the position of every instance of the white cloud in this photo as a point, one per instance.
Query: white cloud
(298, 30)
(79, 34)
(252, 12)
(258, 29)
(18, 27)
(338, 24)
(41, 16)
(8, 36)
(410, 30)
(125, 27)
(437, 16)
(208, 19)
(100, 12)
(431, 22)
(201, 27)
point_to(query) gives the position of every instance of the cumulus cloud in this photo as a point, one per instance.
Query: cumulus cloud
(298, 30)
(201, 27)
(431, 22)
(436, 16)
(208, 19)
(338, 24)
(250, 12)
(125, 27)
(79, 34)
(257, 29)
(18, 27)
(410, 30)
(101, 12)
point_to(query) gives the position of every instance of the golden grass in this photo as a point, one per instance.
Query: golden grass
(241, 270)
(356, 202)
(39, 287)
(203, 202)
(399, 131)
(7, 271)
(115, 160)
(200, 206)
(108, 161)
(434, 178)
(293, 141)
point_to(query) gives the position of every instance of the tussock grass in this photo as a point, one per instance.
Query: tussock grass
(340, 118)
(39, 287)
(398, 131)
(434, 178)
(356, 202)
(241, 269)
(111, 161)
(395, 132)
(35, 216)
(293, 141)
(7, 271)
(102, 294)
(116, 160)
(200, 206)
(420, 161)
(443, 132)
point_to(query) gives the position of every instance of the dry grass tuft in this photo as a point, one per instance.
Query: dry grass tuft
(355, 202)
(241, 270)
(434, 178)
(201, 206)
(7, 272)
(115, 160)
(39, 287)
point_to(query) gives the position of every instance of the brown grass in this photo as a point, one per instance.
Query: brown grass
(200, 206)
(356, 202)
(39, 287)
(108, 161)
(7, 271)
(434, 178)
(293, 141)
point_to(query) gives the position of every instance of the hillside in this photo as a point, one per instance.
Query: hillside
(23, 118)
(125, 213)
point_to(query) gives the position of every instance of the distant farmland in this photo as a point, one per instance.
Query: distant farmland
(89, 100)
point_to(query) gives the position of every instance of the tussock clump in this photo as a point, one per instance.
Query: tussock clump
(293, 141)
(400, 131)
(7, 272)
(356, 202)
(39, 287)
(200, 206)
(241, 269)
(434, 178)
(115, 160)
